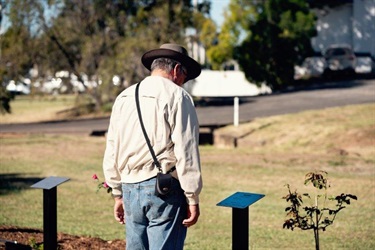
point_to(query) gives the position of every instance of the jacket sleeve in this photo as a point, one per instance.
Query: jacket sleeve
(110, 170)
(185, 136)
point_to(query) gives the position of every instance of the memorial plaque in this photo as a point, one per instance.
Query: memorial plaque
(50, 182)
(240, 200)
(49, 186)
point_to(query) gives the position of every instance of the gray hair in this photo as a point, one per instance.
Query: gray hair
(165, 64)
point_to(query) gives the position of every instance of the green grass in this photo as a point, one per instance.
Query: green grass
(340, 141)
(37, 108)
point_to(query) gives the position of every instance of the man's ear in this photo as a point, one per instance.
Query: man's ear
(174, 72)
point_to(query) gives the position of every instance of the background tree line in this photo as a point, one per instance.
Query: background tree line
(103, 38)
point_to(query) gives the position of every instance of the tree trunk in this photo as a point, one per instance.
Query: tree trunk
(316, 236)
(316, 228)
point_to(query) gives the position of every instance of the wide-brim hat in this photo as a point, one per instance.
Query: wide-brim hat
(175, 52)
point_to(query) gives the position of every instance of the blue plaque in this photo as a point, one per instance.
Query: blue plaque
(50, 182)
(240, 200)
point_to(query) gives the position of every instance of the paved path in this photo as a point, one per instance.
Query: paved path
(317, 96)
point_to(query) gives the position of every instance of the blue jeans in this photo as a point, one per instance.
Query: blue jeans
(151, 222)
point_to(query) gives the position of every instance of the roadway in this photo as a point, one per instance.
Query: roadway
(315, 96)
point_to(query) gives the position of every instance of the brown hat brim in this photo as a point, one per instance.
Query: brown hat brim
(193, 67)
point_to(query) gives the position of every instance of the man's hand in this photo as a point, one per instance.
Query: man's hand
(119, 211)
(192, 216)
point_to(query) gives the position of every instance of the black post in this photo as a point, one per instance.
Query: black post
(240, 202)
(49, 186)
(50, 218)
(240, 228)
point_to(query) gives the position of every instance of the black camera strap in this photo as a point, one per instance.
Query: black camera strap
(156, 162)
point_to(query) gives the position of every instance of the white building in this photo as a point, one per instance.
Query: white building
(232, 83)
(352, 23)
(349, 22)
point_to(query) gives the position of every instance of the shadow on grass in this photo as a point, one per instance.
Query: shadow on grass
(15, 182)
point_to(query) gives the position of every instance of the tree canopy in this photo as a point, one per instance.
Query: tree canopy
(93, 39)
(267, 38)
(236, 19)
(279, 39)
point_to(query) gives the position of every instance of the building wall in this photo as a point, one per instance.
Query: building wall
(352, 24)
(364, 26)
(333, 26)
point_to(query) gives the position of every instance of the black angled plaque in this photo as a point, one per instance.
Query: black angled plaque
(49, 186)
(240, 202)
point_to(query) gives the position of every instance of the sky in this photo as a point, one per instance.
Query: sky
(217, 10)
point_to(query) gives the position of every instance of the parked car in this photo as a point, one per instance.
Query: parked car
(312, 67)
(18, 87)
(340, 61)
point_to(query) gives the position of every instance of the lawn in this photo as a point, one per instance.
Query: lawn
(277, 150)
(37, 108)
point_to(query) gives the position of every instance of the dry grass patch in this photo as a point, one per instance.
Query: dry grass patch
(340, 142)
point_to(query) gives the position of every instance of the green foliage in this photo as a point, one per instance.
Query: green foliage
(207, 33)
(319, 215)
(15, 59)
(278, 39)
(5, 99)
(35, 245)
(316, 179)
(237, 18)
(95, 37)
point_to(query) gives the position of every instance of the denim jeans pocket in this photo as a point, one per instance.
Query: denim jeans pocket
(126, 200)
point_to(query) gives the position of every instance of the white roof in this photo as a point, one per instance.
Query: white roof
(223, 84)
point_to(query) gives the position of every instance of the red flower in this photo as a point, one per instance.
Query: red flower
(102, 184)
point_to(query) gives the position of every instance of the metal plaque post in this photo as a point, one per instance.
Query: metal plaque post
(236, 112)
(240, 202)
(49, 186)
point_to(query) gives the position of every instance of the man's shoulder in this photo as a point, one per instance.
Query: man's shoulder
(163, 89)
(127, 91)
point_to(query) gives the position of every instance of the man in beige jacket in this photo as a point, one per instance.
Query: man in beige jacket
(172, 127)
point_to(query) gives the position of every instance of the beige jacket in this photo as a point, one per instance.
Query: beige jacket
(172, 126)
